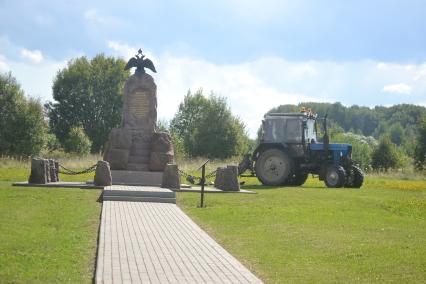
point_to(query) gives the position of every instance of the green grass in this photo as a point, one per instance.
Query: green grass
(304, 235)
(313, 234)
(47, 235)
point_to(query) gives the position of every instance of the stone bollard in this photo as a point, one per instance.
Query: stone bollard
(171, 177)
(103, 174)
(47, 169)
(52, 170)
(218, 181)
(39, 171)
(57, 170)
(227, 179)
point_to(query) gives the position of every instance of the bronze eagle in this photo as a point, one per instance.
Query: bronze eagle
(140, 62)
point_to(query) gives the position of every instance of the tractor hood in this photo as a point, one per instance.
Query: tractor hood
(331, 147)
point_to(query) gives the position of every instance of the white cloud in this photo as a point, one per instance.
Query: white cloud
(92, 15)
(252, 88)
(34, 56)
(122, 50)
(400, 88)
(95, 18)
(420, 73)
(249, 95)
(3, 64)
(381, 66)
(37, 80)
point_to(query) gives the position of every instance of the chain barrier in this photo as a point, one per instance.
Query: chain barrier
(66, 171)
(192, 179)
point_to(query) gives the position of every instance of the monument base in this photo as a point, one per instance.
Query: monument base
(143, 178)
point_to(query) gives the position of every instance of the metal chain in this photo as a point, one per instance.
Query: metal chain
(191, 178)
(212, 174)
(71, 172)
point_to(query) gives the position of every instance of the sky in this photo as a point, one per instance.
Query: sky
(257, 54)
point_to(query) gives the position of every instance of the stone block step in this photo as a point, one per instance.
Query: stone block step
(134, 159)
(137, 167)
(141, 144)
(144, 139)
(140, 193)
(140, 199)
(140, 152)
(137, 178)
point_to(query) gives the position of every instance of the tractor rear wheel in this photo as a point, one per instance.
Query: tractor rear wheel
(297, 179)
(355, 177)
(273, 167)
(335, 176)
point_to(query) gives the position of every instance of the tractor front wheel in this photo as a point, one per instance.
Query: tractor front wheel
(335, 176)
(273, 167)
(297, 179)
(355, 177)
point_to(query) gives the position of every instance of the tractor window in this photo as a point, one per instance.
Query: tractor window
(273, 130)
(310, 130)
(294, 130)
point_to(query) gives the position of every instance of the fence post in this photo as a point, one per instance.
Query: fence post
(203, 181)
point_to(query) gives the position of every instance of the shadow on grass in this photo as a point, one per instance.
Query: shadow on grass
(101, 197)
(267, 187)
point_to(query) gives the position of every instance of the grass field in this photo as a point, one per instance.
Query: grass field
(303, 235)
(318, 235)
(47, 235)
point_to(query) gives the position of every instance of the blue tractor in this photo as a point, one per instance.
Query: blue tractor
(289, 151)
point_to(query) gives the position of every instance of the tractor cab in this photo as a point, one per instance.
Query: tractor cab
(292, 131)
(289, 128)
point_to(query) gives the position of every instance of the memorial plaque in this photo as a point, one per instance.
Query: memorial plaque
(140, 104)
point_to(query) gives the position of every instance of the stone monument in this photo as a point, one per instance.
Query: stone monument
(136, 152)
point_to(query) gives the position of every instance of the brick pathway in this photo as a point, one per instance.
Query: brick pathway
(143, 242)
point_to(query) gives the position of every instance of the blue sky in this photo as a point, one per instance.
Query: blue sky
(258, 54)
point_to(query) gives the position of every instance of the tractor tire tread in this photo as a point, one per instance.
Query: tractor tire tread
(341, 176)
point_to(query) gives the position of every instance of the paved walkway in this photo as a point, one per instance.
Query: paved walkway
(143, 242)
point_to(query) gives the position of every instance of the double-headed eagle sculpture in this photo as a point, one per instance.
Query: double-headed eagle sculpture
(140, 62)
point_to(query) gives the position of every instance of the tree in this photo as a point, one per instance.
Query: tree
(218, 133)
(397, 134)
(22, 125)
(420, 150)
(385, 156)
(208, 128)
(77, 141)
(189, 113)
(88, 93)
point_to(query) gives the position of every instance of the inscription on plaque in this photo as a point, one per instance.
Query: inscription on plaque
(140, 104)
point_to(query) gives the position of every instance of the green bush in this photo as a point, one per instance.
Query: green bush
(77, 141)
(362, 147)
(385, 156)
(207, 128)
